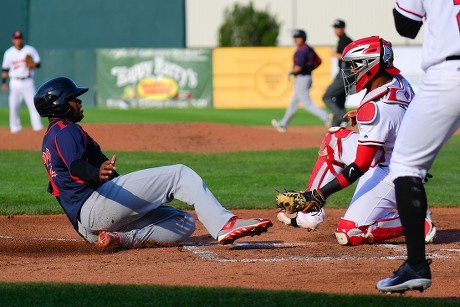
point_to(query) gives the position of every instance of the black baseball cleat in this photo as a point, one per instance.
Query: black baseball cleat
(407, 277)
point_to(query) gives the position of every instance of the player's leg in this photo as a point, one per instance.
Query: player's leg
(308, 104)
(432, 118)
(162, 225)
(371, 216)
(293, 104)
(29, 92)
(14, 103)
(435, 108)
(334, 99)
(128, 198)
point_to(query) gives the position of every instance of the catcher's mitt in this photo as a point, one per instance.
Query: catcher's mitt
(308, 201)
(29, 61)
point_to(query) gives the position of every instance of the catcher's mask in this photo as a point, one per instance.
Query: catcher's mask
(363, 59)
(51, 99)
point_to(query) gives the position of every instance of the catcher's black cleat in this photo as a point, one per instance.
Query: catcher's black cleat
(407, 277)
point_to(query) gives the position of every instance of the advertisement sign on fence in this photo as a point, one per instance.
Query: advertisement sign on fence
(154, 78)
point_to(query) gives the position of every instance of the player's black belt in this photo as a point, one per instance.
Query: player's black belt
(21, 78)
(453, 57)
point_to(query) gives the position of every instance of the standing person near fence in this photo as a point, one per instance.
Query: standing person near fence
(130, 210)
(305, 61)
(431, 119)
(19, 63)
(335, 96)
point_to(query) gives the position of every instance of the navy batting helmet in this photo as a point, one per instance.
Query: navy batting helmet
(51, 99)
(299, 33)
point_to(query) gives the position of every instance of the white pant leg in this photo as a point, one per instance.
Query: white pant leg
(28, 94)
(374, 198)
(303, 90)
(14, 103)
(293, 106)
(129, 198)
(431, 119)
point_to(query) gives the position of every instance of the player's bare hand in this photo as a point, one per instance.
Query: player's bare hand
(351, 117)
(114, 159)
(4, 87)
(107, 169)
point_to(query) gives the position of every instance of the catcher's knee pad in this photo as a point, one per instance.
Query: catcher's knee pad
(348, 233)
(385, 229)
(326, 166)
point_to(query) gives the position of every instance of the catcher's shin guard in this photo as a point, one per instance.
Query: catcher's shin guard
(327, 167)
(348, 233)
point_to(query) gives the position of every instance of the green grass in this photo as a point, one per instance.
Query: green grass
(256, 117)
(239, 179)
(51, 294)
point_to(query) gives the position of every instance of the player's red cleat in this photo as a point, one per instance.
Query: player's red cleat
(107, 240)
(237, 228)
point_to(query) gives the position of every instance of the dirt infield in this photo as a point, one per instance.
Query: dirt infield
(46, 248)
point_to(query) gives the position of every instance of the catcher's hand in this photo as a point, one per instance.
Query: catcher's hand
(309, 201)
(29, 61)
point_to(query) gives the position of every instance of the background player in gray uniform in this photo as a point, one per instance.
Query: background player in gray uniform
(305, 61)
(335, 96)
(432, 118)
(129, 210)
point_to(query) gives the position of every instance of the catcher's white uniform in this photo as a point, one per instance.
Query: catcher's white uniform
(371, 216)
(21, 85)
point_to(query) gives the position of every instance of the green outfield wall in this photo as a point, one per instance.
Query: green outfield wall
(67, 33)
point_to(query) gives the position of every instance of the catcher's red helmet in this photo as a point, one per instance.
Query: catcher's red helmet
(363, 59)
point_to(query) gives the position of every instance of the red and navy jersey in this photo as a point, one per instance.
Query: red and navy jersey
(65, 142)
(306, 58)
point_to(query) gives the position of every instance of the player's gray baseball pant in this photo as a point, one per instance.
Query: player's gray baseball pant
(302, 86)
(133, 205)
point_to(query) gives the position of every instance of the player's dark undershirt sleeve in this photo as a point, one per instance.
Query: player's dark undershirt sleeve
(84, 171)
(405, 26)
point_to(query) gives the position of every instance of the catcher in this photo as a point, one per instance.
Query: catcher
(346, 156)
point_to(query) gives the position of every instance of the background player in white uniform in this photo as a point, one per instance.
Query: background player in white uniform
(432, 118)
(21, 73)
(346, 156)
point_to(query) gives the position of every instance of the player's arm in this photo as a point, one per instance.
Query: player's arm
(85, 171)
(296, 69)
(364, 157)
(336, 54)
(4, 77)
(407, 23)
(93, 175)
